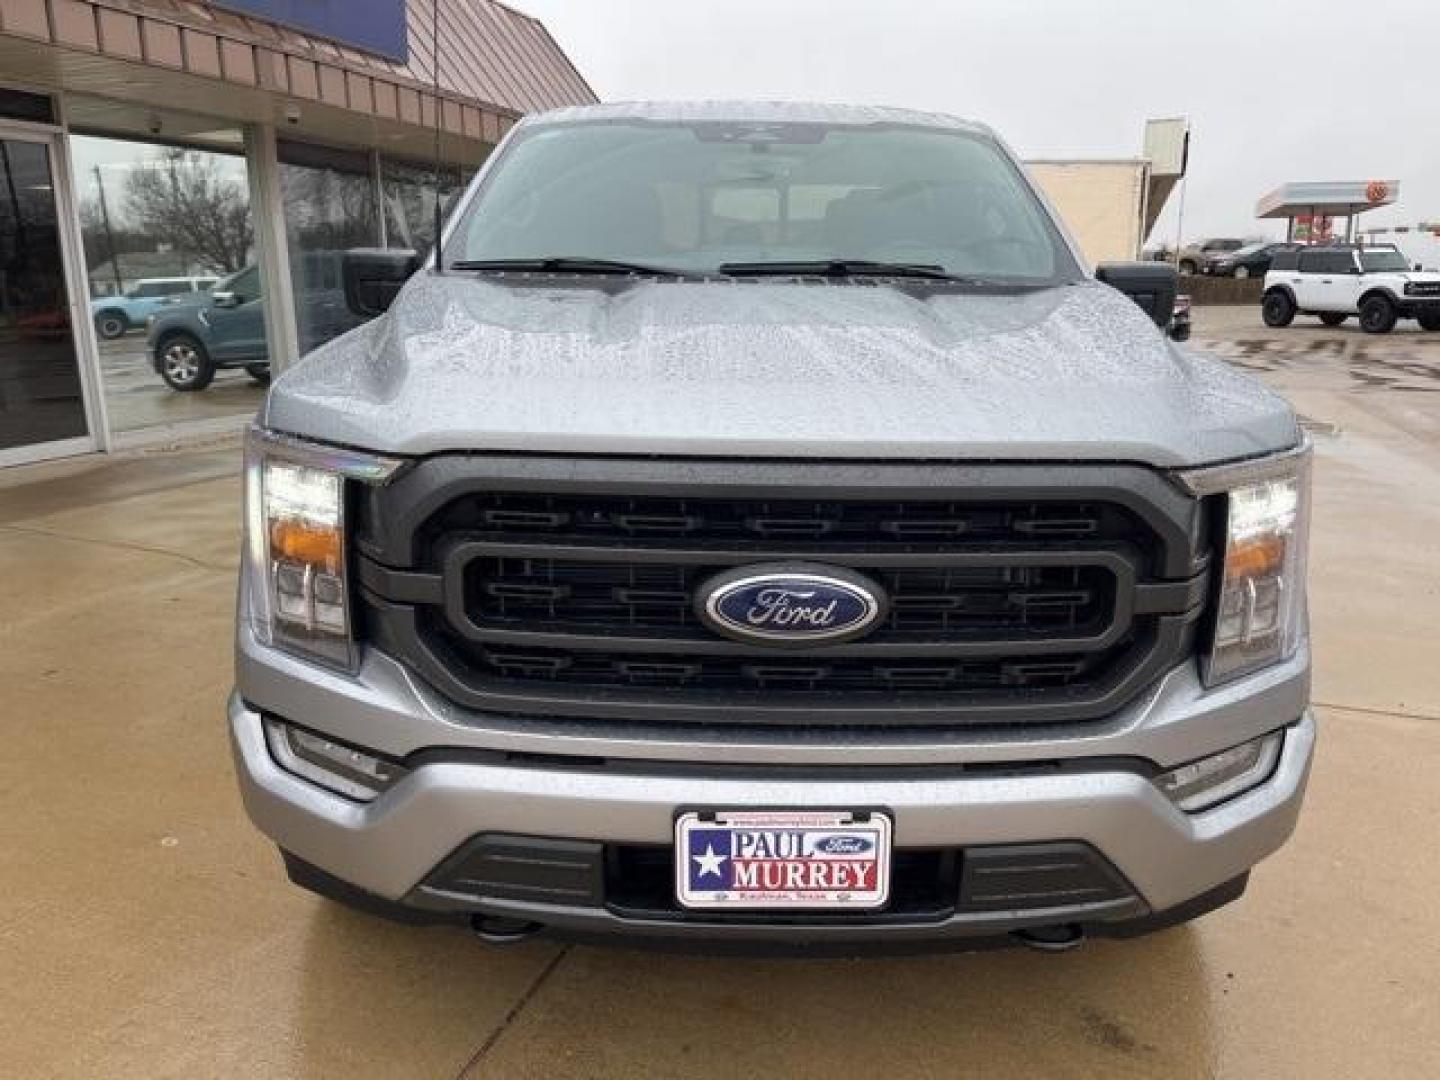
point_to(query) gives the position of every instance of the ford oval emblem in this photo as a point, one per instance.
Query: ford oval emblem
(844, 845)
(791, 604)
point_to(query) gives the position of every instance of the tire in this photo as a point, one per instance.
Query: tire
(1334, 318)
(1378, 315)
(1188, 267)
(259, 372)
(1241, 273)
(1429, 320)
(183, 363)
(111, 324)
(1277, 309)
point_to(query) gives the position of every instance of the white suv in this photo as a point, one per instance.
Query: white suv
(1334, 283)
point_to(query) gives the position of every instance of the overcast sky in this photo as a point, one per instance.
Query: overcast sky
(1276, 90)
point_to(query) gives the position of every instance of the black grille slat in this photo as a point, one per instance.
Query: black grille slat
(566, 594)
(587, 518)
(602, 669)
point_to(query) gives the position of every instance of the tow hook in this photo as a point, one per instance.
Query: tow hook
(499, 930)
(1053, 939)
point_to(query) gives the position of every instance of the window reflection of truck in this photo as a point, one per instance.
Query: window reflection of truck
(225, 328)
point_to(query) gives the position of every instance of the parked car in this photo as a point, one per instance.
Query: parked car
(1253, 260)
(835, 563)
(115, 315)
(1193, 256)
(225, 328)
(1335, 282)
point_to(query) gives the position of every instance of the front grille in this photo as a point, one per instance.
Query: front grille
(1049, 600)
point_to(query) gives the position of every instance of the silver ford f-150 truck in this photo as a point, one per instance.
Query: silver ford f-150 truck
(759, 527)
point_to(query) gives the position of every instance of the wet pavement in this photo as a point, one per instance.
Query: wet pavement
(137, 398)
(146, 929)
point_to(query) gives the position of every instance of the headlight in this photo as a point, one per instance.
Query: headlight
(295, 543)
(1260, 611)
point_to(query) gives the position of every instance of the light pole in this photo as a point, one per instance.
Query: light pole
(109, 236)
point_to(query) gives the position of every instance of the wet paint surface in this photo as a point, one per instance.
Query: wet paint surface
(774, 369)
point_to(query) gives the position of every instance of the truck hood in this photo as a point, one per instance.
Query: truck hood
(858, 370)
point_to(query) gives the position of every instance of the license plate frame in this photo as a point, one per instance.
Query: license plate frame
(744, 863)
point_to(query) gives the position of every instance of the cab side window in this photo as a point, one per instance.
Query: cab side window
(1326, 262)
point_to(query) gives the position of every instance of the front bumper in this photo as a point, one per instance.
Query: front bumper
(387, 848)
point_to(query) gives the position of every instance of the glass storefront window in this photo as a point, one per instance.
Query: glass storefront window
(41, 400)
(408, 192)
(330, 207)
(165, 228)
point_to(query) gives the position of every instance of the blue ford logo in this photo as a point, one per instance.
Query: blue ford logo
(790, 605)
(844, 845)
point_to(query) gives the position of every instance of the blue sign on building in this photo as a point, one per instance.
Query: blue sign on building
(374, 26)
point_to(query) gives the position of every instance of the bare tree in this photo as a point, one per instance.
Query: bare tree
(185, 198)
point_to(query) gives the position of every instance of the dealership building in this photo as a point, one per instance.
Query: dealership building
(150, 147)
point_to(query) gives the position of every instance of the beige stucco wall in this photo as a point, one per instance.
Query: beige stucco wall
(1102, 203)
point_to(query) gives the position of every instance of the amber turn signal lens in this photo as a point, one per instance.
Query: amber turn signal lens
(1255, 557)
(298, 541)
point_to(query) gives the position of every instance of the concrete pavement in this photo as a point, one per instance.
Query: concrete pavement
(146, 930)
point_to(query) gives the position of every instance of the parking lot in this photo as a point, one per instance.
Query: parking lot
(148, 931)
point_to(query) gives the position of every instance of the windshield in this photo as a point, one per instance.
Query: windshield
(1376, 262)
(695, 197)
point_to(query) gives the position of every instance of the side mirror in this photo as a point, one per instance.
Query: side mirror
(1419, 269)
(1153, 286)
(373, 278)
(225, 299)
(1179, 328)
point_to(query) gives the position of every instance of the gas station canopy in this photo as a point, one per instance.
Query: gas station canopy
(1331, 199)
(1308, 205)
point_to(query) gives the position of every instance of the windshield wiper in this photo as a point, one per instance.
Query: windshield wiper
(845, 268)
(565, 264)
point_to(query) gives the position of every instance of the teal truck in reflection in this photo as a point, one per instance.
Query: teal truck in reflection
(192, 339)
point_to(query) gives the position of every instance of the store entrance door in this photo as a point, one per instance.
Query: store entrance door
(42, 394)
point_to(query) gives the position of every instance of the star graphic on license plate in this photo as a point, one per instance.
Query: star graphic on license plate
(710, 862)
(709, 851)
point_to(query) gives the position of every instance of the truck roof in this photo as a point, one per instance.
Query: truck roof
(795, 112)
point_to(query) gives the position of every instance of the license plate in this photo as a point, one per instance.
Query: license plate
(762, 859)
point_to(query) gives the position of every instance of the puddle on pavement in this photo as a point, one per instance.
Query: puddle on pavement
(1407, 367)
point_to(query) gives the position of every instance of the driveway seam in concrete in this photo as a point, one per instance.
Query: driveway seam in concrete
(126, 545)
(1370, 711)
(514, 1013)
